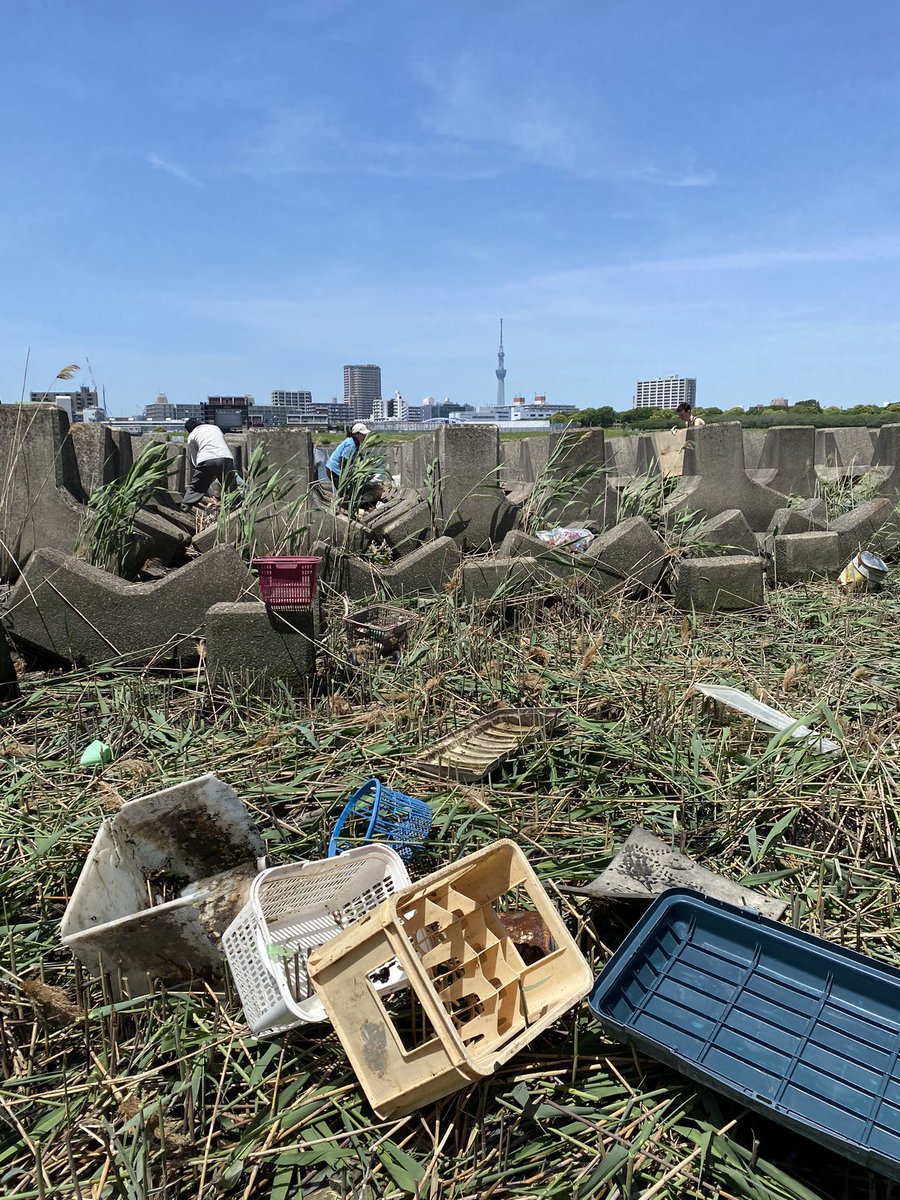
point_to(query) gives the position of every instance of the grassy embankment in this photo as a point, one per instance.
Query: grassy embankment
(169, 1096)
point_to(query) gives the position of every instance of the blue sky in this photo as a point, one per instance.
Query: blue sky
(210, 196)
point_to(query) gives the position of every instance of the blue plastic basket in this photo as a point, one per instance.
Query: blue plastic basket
(375, 813)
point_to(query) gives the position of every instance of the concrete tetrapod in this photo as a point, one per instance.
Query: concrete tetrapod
(80, 613)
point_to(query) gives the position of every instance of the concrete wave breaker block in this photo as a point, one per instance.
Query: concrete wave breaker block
(630, 551)
(869, 526)
(42, 494)
(79, 613)
(714, 478)
(800, 556)
(730, 531)
(728, 583)
(164, 878)
(787, 462)
(251, 637)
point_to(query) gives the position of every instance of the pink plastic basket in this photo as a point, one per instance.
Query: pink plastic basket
(286, 582)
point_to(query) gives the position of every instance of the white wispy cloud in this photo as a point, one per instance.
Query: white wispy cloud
(886, 249)
(172, 168)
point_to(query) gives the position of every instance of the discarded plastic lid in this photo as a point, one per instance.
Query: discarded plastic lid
(748, 705)
(95, 754)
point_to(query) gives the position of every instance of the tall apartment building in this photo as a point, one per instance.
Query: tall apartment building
(162, 410)
(362, 390)
(665, 393)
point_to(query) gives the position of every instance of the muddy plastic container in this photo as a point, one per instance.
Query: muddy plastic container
(384, 624)
(162, 880)
(480, 1001)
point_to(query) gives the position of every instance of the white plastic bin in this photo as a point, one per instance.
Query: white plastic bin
(200, 837)
(293, 910)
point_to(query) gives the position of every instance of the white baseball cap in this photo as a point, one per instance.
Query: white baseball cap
(359, 427)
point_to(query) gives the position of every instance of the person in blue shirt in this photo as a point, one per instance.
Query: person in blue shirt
(339, 463)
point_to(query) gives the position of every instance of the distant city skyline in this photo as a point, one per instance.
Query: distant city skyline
(197, 223)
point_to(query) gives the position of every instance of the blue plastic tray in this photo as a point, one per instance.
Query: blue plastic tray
(803, 1031)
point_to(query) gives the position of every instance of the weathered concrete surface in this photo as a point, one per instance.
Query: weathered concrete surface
(621, 456)
(577, 473)
(124, 443)
(754, 440)
(661, 453)
(886, 459)
(177, 475)
(729, 531)
(714, 478)
(97, 455)
(323, 522)
(42, 497)
(631, 552)
(167, 539)
(79, 613)
(727, 583)
(409, 528)
(869, 526)
(355, 577)
(787, 462)
(290, 453)
(800, 556)
(844, 451)
(388, 511)
(494, 578)
(251, 638)
(552, 561)
(470, 504)
(793, 520)
(427, 569)
(519, 544)
(415, 459)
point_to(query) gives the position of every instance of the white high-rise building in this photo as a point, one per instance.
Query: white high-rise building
(293, 400)
(665, 393)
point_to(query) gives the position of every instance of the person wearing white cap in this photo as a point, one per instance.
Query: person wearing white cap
(340, 461)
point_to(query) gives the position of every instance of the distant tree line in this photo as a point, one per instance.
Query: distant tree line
(804, 412)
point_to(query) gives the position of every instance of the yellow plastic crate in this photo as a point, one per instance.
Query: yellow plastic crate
(481, 1002)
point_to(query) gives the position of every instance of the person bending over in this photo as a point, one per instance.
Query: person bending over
(211, 460)
(339, 468)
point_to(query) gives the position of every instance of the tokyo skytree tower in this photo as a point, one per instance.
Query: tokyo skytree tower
(501, 372)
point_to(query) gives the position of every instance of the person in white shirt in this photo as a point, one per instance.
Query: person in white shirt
(211, 460)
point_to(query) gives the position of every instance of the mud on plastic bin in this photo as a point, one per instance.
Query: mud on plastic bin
(163, 878)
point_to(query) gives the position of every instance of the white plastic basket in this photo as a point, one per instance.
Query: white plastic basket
(291, 911)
